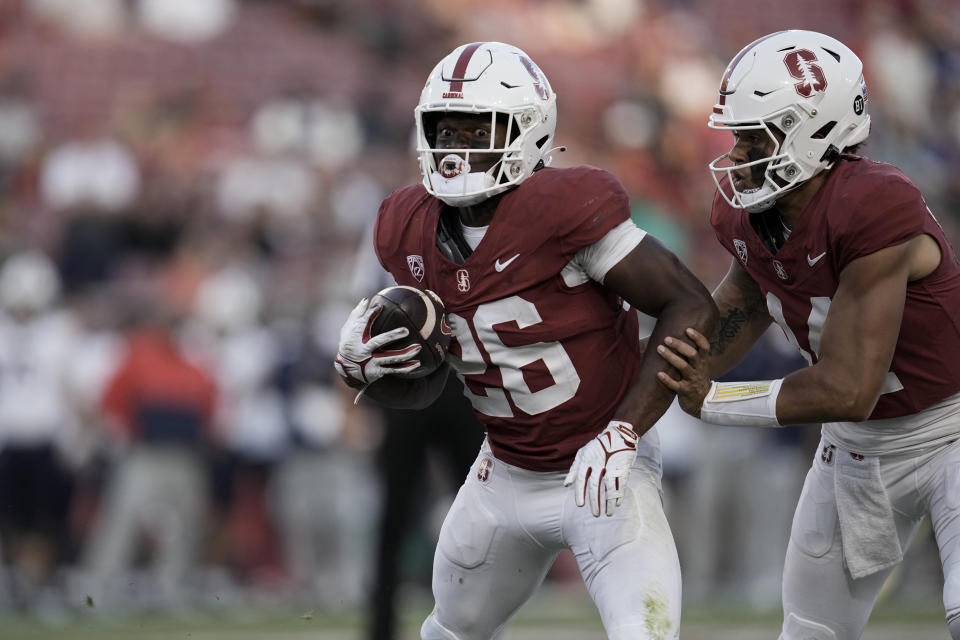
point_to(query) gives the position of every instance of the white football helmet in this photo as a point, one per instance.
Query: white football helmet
(488, 78)
(806, 85)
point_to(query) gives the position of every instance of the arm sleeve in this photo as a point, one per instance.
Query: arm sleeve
(598, 258)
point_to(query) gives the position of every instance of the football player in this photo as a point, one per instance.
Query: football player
(540, 269)
(844, 255)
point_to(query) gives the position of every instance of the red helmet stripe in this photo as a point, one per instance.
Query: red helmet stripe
(456, 82)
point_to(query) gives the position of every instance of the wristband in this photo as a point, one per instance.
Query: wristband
(742, 404)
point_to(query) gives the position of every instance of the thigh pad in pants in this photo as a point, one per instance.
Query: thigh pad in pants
(468, 531)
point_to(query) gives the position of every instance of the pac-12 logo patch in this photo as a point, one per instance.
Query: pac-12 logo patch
(741, 248)
(416, 267)
(463, 280)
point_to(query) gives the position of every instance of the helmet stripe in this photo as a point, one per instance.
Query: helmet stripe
(456, 82)
(733, 65)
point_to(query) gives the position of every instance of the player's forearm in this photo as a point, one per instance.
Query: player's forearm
(647, 400)
(395, 392)
(821, 394)
(825, 392)
(742, 320)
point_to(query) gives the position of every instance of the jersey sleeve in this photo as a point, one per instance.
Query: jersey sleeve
(886, 211)
(382, 231)
(393, 226)
(597, 259)
(590, 203)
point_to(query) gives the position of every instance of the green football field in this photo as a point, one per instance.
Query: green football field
(551, 615)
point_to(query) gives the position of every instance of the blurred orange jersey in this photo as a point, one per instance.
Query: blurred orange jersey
(156, 395)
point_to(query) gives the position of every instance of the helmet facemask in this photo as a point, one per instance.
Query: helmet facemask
(771, 175)
(447, 172)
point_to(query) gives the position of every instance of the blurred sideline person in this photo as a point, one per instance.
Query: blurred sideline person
(843, 254)
(446, 432)
(158, 408)
(37, 342)
(534, 265)
(243, 356)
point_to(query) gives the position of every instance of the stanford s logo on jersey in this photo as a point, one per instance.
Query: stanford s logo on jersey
(802, 65)
(781, 271)
(463, 281)
(416, 267)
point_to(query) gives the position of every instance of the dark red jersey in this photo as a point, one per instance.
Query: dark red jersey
(545, 360)
(862, 207)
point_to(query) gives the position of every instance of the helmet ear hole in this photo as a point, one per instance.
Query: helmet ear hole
(542, 141)
(825, 130)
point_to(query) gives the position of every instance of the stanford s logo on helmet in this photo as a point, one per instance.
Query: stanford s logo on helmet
(494, 79)
(804, 85)
(802, 65)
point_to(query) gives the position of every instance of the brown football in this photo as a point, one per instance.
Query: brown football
(420, 311)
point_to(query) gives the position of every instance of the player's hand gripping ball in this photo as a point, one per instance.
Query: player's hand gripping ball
(422, 313)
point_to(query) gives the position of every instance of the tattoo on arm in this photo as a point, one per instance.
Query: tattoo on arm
(732, 323)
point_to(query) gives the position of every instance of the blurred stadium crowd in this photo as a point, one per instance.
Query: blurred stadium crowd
(184, 186)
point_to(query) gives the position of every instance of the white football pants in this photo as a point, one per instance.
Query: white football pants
(820, 599)
(507, 526)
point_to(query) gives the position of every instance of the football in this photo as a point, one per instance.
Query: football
(420, 311)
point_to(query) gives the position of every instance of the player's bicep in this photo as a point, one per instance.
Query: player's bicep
(650, 277)
(597, 259)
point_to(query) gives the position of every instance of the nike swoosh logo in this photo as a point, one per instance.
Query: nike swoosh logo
(500, 266)
(813, 261)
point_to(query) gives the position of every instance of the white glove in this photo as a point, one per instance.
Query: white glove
(602, 466)
(359, 359)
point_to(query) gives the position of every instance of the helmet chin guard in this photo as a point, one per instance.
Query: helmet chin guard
(806, 85)
(495, 79)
